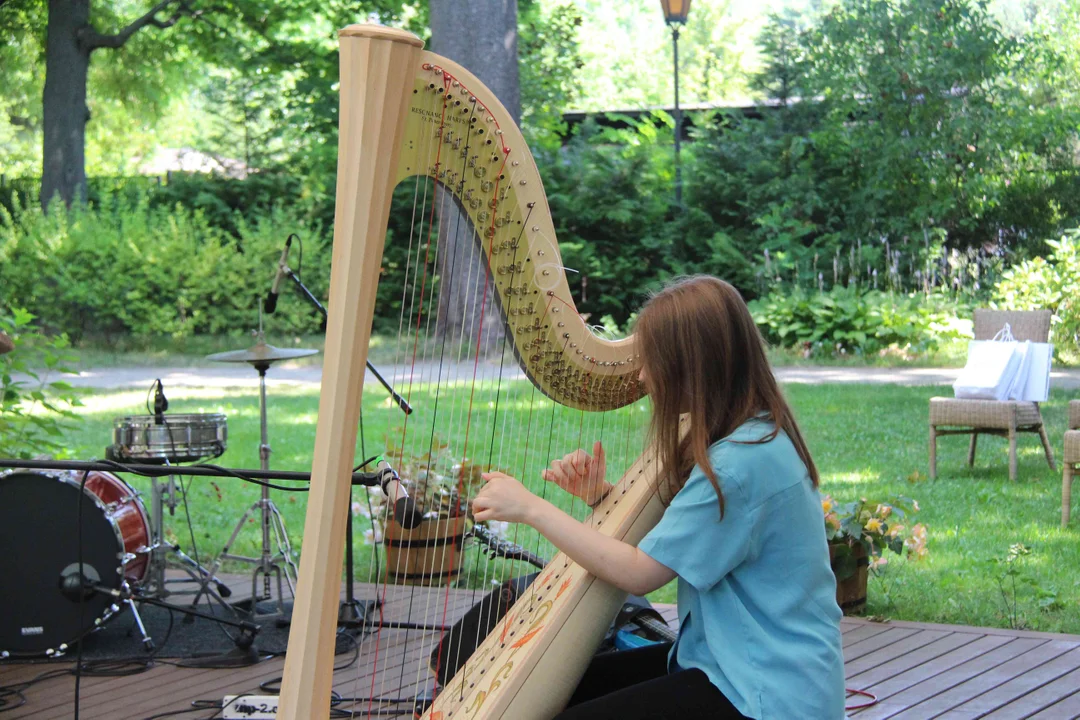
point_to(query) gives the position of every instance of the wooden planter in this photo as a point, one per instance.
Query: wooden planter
(851, 591)
(429, 554)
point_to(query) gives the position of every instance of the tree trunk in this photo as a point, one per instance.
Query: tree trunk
(64, 110)
(481, 35)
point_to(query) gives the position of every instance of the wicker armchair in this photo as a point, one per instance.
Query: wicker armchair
(954, 416)
(1072, 458)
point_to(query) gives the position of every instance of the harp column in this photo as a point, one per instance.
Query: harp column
(378, 66)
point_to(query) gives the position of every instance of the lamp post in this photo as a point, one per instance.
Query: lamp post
(675, 12)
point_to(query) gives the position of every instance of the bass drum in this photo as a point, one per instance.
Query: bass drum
(40, 548)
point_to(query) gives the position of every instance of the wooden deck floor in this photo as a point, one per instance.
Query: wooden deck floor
(917, 671)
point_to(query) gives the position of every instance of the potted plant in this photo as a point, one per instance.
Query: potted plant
(439, 483)
(859, 533)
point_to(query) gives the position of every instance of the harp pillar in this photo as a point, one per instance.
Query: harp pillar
(377, 70)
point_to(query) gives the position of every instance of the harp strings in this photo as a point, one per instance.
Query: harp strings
(466, 408)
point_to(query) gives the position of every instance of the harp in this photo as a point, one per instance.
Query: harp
(411, 117)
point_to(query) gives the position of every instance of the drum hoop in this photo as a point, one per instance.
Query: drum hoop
(73, 477)
(180, 420)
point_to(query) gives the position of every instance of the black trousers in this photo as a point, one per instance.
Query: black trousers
(636, 684)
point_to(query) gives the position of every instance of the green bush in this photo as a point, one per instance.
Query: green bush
(610, 196)
(859, 322)
(35, 405)
(129, 268)
(1051, 283)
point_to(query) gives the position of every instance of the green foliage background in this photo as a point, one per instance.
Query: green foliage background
(899, 145)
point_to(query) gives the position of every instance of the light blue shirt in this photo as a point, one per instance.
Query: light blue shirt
(757, 598)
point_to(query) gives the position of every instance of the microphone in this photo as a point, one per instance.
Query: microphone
(271, 297)
(405, 511)
(161, 404)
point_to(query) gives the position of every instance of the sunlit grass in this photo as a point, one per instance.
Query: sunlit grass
(868, 441)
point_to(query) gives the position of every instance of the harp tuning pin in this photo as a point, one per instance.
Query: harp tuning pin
(456, 84)
(514, 163)
(523, 182)
(531, 206)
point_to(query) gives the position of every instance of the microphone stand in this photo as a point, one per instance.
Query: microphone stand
(352, 613)
(400, 401)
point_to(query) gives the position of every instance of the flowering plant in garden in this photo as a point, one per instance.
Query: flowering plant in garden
(439, 483)
(873, 527)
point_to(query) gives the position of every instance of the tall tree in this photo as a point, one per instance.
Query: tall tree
(481, 35)
(70, 39)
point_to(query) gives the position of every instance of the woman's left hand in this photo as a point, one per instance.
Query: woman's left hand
(503, 498)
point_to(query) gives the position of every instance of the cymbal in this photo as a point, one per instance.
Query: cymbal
(261, 353)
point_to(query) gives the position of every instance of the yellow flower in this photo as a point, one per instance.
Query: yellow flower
(895, 530)
(827, 504)
(916, 544)
(873, 525)
(884, 511)
(832, 520)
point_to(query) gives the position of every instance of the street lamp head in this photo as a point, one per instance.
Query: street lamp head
(675, 11)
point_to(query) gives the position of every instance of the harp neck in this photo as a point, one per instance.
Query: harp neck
(458, 134)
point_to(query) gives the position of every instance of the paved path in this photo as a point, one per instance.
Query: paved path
(310, 375)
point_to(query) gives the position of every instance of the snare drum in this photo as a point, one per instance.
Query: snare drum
(179, 439)
(40, 535)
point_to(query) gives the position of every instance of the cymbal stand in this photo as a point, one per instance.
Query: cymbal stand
(278, 564)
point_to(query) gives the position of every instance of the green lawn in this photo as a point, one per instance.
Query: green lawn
(867, 441)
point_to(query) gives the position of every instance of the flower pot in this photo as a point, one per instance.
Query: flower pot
(850, 585)
(429, 554)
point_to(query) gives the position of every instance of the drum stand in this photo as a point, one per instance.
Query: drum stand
(156, 584)
(278, 564)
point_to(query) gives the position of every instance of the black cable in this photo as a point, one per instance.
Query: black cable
(6, 693)
(371, 459)
(17, 690)
(196, 706)
(120, 467)
(82, 595)
(273, 685)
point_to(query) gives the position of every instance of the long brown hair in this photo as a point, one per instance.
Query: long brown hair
(704, 357)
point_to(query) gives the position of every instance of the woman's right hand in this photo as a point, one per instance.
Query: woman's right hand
(581, 474)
